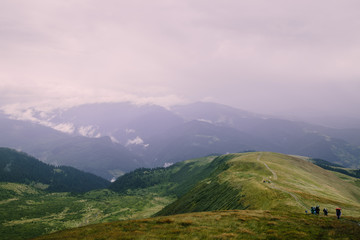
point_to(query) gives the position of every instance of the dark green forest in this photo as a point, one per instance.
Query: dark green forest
(19, 167)
(336, 168)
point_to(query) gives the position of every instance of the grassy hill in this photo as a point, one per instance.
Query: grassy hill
(174, 180)
(269, 181)
(231, 224)
(257, 195)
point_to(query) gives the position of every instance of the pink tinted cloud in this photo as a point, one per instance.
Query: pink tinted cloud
(258, 55)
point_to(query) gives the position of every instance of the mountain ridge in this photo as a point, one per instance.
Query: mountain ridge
(254, 195)
(153, 136)
(280, 180)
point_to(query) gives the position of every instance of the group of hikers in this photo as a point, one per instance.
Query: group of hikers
(316, 211)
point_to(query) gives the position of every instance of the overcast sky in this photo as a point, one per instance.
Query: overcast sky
(277, 56)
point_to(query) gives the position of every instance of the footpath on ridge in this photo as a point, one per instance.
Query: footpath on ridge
(274, 186)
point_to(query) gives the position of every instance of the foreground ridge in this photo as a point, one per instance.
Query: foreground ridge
(232, 224)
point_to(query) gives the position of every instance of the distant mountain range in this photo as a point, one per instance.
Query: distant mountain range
(109, 139)
(96, 155)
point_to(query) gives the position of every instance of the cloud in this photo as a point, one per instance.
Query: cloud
(114, 140)
(166, 165)
(18, 112)
(136, 141)
(257, 55)
(204, 120)
(64, 127)
(88, 131)
(128, 131)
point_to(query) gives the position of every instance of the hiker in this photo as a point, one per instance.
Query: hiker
(312, 210)
(338, 212)
(325, 212)
(317, 209)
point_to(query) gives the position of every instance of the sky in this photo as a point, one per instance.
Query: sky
(276, 57)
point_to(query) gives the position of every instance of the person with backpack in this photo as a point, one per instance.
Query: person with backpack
(325, 211)
(338, 212)
(317, 210)
(312, 210)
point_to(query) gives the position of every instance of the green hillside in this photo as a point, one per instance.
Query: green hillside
(174, 180)
(19, 167)
(258, 195)
(27, 212)
(231, 224)
(269, 181)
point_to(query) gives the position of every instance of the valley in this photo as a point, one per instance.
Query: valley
(179, 119)
(252, 195)
(27, 212)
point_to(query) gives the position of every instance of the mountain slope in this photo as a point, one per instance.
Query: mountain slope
(174, 180)
(269, 181)
(150, 136)
(291, 137)
(233, 224)
(121, 121)
(21, 168)
(275, 190)
(100, 156)
(195, 139)
(95, 155)
(23, 134)
(27, 212)
(214, 113)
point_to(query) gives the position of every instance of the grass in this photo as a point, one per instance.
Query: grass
(290, 183)
(230, 188)
(27, 212)
(174, 180)
(232, 224)
(314, 185)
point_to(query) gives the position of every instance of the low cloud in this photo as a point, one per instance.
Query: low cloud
(128, 131)
(114, 140)
(204, 120)
(136, 141)
(166, 165)
(64, 127)
(88, 131)
(17, 112)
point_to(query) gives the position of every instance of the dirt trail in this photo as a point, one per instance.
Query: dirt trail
(273, 172)
(274, 186)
